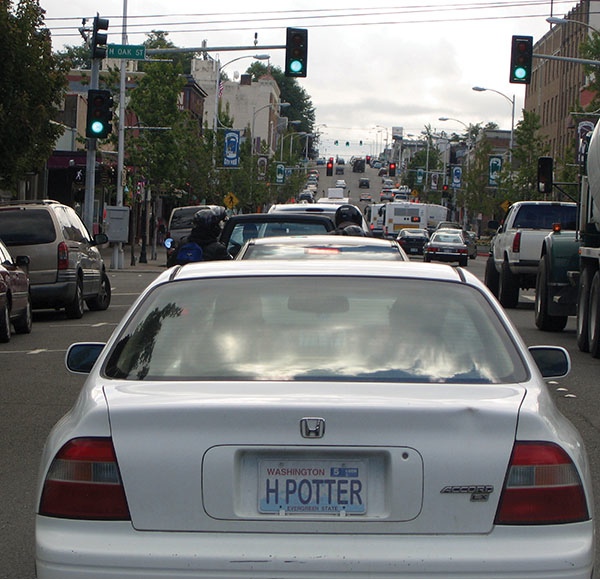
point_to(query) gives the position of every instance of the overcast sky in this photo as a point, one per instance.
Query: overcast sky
(394, 64)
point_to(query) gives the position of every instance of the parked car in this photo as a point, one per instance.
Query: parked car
(446, 246)
(15, 300)
(314, 418)
(238, 229)
(413, 241)
(66, 269)
(321, 247)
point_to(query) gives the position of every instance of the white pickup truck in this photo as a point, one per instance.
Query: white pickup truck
(515, 250)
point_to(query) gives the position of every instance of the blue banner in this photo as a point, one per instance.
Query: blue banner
(231, 155)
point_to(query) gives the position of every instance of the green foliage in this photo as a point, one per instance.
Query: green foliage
(32, 84)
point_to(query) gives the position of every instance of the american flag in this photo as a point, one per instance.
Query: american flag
(221, 85)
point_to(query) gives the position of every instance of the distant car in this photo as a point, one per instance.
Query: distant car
(446, 246)
(321, 161)
(388, 184)
(15, 300)
(307, 196)
(365, 197)
(470, 240)
(314, 418)
(66, 269)
(240, 228)
(339, 170)
(340, 183)
(382, 171)
(364, 183)
(386, 195)
(413, 241)
(451, 225)
(321, 247)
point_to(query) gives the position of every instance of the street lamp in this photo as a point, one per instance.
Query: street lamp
(288, 135)
(512, 122)
(556, 20)
(256, 111)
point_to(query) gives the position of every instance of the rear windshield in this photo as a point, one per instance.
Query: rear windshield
(242, 232)
(321, 251)
(182, 218)
(302, 328)
(542, 217)
(20, 227)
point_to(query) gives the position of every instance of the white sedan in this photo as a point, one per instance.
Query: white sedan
(312, 418)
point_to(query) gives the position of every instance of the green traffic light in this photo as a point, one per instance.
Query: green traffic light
(97, 127)
(296, 66)
(520, 73)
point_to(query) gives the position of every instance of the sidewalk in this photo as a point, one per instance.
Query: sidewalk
(154, 263)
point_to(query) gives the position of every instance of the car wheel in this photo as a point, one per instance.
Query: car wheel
(75, 308)
(583, 303)
(544, 320)
(5, 324)
(594, 316)
(102, 300)
(24, 323)
(491, 277)
(508, 291)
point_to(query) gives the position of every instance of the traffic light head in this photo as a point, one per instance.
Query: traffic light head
(521, 56)
(296, 52)
(329, 168)
(392, 170)
(545, 170)
(99, 39)
(99, 114)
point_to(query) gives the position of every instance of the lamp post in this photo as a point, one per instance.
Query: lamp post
(255, 112)
(218, 82)
(512, 122)
(291, 134)
(556, 20)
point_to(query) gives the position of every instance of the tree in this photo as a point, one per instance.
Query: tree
(32, 84)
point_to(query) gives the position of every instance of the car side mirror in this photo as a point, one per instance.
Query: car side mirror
(82, 356)
(100, 239)
(554, 362)
(23, 261)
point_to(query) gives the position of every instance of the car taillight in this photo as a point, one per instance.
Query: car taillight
(516, 245)
(542, 487)
(84, 482)
(63, 256)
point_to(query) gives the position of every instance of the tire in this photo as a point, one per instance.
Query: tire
(5, 323)
(102, 300)
(508, 291)
(492, 278)
(24, 323)
(543, 320)
(75, 308)
(583, 317)
(594, 316)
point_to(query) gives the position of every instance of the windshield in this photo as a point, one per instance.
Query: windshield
(303, 328)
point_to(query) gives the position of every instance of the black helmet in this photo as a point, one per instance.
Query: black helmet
(209, 220)
(347, 213)
(353, 231)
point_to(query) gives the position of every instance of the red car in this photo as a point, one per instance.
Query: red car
(15, 301)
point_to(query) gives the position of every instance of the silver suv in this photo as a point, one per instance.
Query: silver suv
(65, 265)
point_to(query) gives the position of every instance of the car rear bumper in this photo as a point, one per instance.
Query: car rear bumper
(53, 295)
(78, 549)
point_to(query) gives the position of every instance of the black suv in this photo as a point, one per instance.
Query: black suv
(65, 265)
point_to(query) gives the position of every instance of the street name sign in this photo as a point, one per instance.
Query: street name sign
(126, 51)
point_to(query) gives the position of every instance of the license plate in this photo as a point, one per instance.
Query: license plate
(312, 487)
(413, 250)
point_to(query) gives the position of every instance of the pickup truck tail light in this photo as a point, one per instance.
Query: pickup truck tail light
(516, 245)
(83, 482)
(542, 487)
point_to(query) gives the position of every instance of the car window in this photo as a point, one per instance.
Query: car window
(298, 328)
(72, 225)
(322, 251)
(4, 255)
(29, 227)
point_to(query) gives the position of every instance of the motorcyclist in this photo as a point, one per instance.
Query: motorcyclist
(348, 221)
(206, 229)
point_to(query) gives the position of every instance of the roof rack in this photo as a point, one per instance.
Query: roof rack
(30, 202)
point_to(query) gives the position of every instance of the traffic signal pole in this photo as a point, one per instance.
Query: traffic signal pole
(90, 166)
